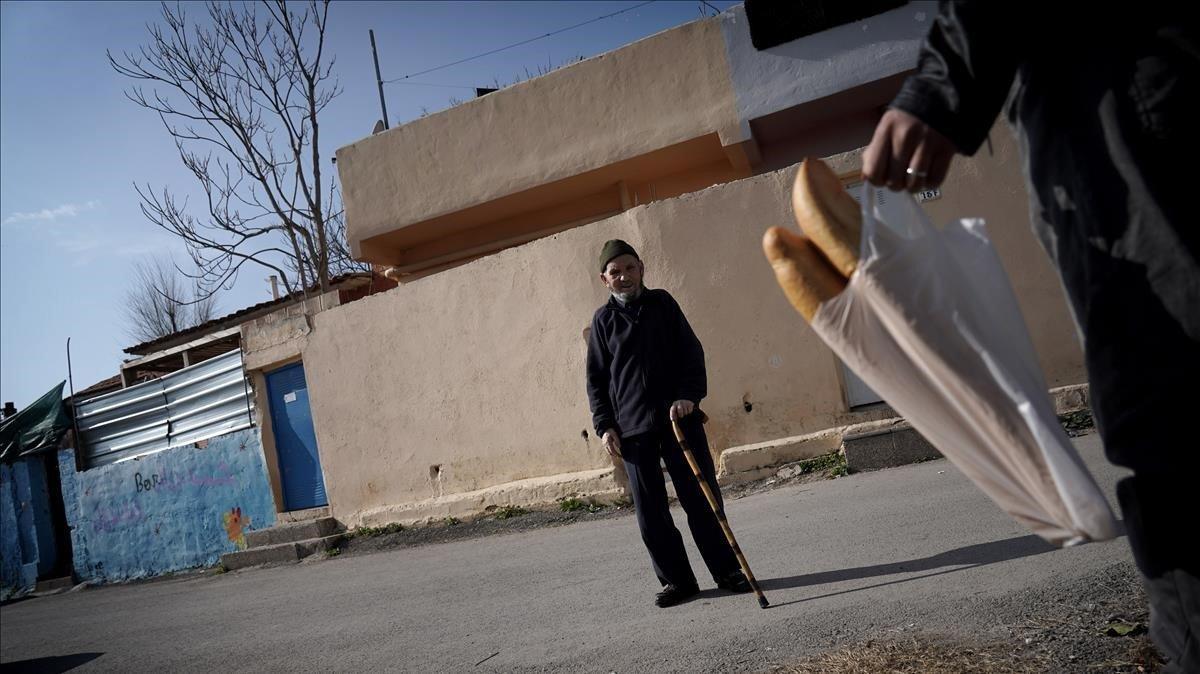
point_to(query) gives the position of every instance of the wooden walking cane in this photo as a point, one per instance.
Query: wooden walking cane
(712, 502)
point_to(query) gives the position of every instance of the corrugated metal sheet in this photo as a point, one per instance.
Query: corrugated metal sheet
(198, 402)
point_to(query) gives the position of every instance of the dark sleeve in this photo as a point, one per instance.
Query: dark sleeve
(598, 361)
(691, 377)
(965, 70)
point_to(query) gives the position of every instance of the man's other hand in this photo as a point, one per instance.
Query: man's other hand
(612, 443)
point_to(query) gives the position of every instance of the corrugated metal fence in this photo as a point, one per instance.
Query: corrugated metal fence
(198, 402)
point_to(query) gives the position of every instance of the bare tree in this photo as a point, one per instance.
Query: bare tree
(241, 96)
(161, 302)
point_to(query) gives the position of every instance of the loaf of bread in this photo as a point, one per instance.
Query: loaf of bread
(827, 214)
(814, 267)
(805, 276)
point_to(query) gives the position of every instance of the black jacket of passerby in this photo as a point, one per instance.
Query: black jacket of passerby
(975, 50)
(641, 358)
(1105, 105)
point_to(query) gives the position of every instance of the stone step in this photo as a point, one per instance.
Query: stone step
(882, 443)
(887, 447)
(292, 532)
(894, 442)
(762, 459)
(293, 516)
(281, 553)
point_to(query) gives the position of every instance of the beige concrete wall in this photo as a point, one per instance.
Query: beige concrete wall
(474, 377)
(654, 93)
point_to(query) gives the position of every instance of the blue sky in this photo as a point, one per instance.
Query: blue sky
(72, 146)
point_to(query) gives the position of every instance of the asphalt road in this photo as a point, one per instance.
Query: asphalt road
(912, 548)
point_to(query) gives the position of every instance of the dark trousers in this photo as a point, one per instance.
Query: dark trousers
(1108, 151)
(641, 454)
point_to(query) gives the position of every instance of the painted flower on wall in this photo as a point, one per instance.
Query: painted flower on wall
(234, 522)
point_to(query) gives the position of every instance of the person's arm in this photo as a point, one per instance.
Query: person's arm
(604, 420)
(965, 70)
(691, 384)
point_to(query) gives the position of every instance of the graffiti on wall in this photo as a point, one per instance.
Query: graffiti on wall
(107, 519)
(234, 521)
(185, 507)
(174, 481)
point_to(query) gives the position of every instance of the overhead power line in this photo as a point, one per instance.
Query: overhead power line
(522, 42)
(429, 84)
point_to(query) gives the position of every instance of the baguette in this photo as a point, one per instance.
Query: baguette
(828, 215)
(805, 276)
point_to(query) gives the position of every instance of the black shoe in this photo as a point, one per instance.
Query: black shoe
(735, 582)
(675, 594)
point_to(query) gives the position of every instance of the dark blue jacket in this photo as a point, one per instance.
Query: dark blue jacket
(641, 358)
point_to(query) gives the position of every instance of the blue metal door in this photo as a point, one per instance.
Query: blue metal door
(295, 440)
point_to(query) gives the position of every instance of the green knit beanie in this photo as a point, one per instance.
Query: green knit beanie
(615, 248)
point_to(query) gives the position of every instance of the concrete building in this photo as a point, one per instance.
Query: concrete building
(463, 387)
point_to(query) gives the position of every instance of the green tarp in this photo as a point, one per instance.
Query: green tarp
(35, 428)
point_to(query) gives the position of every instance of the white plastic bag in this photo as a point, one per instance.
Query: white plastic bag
(930, 322)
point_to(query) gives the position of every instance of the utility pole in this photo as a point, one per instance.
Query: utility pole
(379, 79)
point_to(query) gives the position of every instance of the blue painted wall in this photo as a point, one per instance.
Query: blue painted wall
(10, 544)
(26, 531)
(177, 509)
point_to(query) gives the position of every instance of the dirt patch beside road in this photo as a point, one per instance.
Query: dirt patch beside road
(1094, 624)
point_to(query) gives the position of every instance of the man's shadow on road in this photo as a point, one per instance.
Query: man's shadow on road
(967, 557)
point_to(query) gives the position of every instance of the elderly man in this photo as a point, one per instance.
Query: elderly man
(645, 367)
